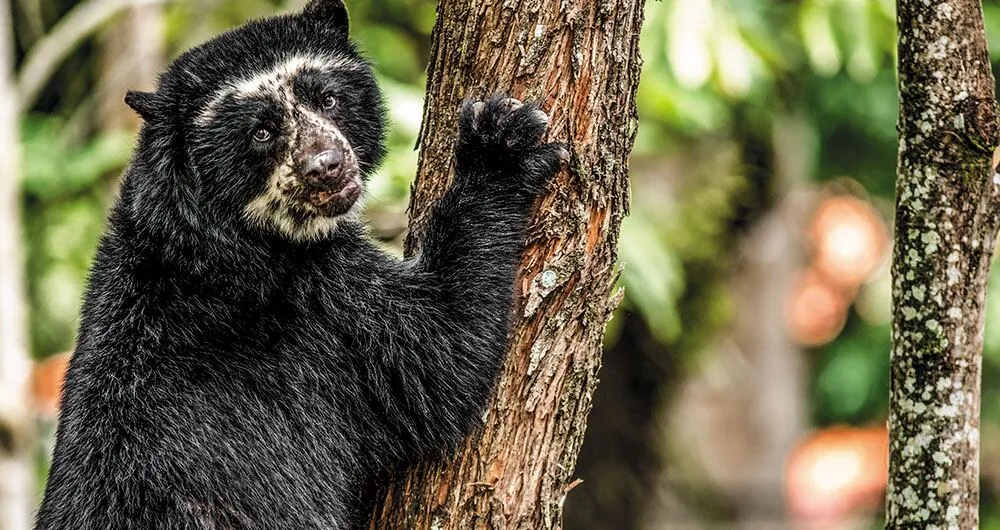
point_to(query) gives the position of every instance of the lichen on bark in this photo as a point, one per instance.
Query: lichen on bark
(946, 227)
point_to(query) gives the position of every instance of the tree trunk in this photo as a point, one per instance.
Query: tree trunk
(946, 226)
(16, 471)
(580, 60)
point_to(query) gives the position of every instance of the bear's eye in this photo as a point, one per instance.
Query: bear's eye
(261, 134)
(328, 101)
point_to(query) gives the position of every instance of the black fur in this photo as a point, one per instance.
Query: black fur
(227, 377)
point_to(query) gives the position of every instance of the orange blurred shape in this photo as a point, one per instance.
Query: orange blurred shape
(849, 239)
(837, 472)
(815, 310)
(46, 383)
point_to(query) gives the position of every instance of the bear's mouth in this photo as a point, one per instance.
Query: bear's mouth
(335, 198)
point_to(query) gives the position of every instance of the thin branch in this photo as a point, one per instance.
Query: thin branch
(43, 58)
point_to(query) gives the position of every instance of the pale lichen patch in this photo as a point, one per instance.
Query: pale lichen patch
(931, 240)
(953, 275)
(548, 279)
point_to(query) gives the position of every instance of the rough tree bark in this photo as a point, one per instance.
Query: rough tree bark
(946, 226)
(16, 471)
(580, 59)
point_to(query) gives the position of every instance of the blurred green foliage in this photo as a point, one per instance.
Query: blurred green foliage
(64, 208)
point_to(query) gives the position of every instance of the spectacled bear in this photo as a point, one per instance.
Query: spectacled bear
(247, 358)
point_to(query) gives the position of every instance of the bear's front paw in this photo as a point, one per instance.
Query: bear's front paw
(502, 124)
(502, 138)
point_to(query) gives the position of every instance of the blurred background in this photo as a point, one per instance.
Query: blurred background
(745, 380)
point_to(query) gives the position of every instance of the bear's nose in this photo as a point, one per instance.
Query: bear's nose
(323, 163)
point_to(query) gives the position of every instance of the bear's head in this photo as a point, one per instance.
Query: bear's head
(272, 126)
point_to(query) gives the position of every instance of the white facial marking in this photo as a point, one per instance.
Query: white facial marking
(273, 80)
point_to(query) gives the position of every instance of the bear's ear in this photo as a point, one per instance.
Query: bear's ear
(332, 12)
(148, 105)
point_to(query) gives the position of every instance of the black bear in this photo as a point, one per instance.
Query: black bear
(247, 359)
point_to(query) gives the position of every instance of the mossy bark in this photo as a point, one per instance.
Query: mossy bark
(946, 227)
(580, 60)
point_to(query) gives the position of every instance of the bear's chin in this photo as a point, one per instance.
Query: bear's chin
(306, 217)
